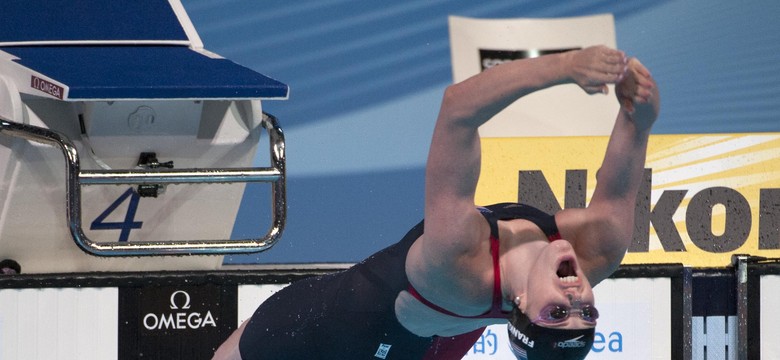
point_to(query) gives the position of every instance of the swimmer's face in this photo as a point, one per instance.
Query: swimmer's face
(557, 282)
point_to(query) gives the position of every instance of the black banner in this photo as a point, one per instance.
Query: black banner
(175, 322)
(490, 57)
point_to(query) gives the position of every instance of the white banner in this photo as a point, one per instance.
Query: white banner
(770, 315)
(565, 110)
(58, 323)
(251, 296)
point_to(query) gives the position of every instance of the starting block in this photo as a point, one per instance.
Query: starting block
(121, 137)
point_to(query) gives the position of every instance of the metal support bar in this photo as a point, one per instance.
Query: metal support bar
(687, 302)
(75, 178)
(740, 263)
(179, 176)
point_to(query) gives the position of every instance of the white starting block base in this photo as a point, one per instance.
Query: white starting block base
(192, 134)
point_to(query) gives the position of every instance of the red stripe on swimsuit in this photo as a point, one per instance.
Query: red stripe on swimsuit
(455, 347)
(495, 308)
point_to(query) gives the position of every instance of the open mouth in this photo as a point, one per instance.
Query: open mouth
(567, 271)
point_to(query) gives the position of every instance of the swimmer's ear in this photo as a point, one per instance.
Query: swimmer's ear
(520, 302)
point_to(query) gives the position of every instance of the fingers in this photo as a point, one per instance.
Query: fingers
(607, 73)
(613, 66)
(644, 83)
(596, 89)
(609, 55)
(636, 65)
(646, 95)
(638, 92)
(597, 66)
(596, 79)
(616, 59)
(643, 92)
(640, 72)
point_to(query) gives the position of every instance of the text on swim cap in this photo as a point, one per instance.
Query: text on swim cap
(520, 336)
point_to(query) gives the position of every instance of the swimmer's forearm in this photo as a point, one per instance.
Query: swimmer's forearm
(602, 233)
(476, 100)
(623, 165)
(622, 170)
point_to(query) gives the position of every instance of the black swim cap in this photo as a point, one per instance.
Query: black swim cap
(532, 342)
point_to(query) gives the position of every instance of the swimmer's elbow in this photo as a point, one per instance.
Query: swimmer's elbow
(612, 234)
(459, 108)
(614, 222)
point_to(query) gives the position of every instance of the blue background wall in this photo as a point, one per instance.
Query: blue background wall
(366, 79)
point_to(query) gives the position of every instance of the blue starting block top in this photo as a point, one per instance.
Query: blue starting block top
(116, 49)
(140, 72)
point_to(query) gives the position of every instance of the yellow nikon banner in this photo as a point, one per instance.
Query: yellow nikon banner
(704, 198)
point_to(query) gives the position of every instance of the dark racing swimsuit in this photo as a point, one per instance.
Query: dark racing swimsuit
(351, 314)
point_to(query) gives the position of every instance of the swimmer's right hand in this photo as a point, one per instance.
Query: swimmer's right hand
(594, 67)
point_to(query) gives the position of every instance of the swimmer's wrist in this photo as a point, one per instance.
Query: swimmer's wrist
(562, 65)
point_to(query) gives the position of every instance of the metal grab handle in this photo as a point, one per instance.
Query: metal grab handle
(75, 178)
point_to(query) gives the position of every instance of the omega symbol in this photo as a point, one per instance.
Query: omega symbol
(186, 300)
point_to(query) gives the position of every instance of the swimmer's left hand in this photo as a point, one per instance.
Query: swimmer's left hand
(638, 93)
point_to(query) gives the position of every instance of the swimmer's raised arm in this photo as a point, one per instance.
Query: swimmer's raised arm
(452, 224)
(602, 233)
